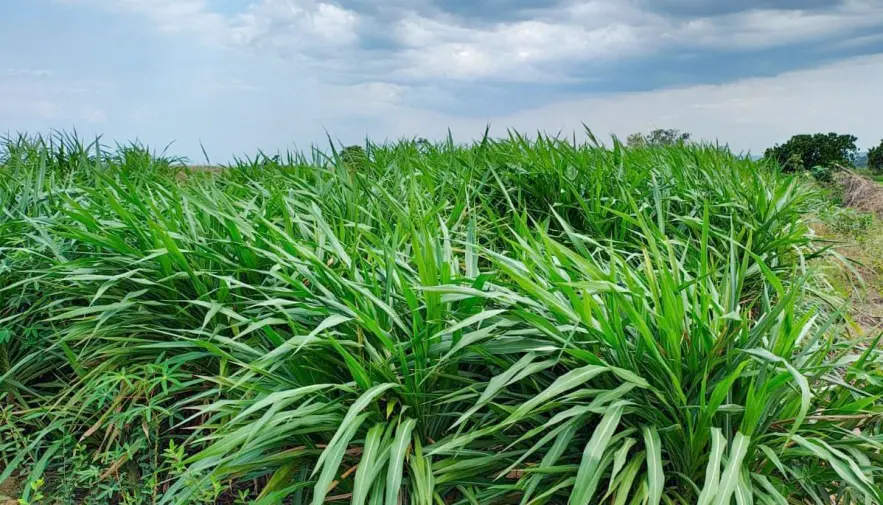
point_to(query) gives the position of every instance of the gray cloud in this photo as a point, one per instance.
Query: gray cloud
(406, 41)
(287, 71)
(495, 11)
(474, 58)
(704, 8)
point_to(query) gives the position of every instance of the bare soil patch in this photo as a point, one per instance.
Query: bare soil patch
(8, 490)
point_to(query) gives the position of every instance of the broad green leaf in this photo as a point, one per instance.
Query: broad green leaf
(398, 451)
(732, 474)
(590, 467)
(655, 476)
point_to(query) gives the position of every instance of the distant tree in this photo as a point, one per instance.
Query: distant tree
(636, 140)
(875, 159)
(804, 152)
(861, 160)
(354, 157)
(658, 137)
(423, 144)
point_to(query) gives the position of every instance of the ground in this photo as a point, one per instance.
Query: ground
(856, 233)
(8, 489)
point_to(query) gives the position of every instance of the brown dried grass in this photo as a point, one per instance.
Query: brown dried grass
(861, 193)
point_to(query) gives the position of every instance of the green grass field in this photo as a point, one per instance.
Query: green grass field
(513, 321)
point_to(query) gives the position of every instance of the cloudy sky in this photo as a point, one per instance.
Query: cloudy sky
(238, 75)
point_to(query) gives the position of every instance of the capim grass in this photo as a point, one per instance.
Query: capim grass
(520, 320)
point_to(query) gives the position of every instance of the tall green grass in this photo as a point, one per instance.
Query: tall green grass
(514, 321)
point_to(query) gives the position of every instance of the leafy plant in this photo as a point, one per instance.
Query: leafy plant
(850, 222)
(823, 174)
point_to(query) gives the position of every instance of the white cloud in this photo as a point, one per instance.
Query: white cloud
(757, 29)
(550, 46)
(37, 96)
(243, 100)
(294, 27)
(514, 51)
(749, 115)
(543, 48)
(289, 26)
(27, 73)
(92, 114)
(191, 16)
(36, 108)
(604, 31)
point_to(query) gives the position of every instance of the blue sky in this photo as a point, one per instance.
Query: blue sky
(237, 76)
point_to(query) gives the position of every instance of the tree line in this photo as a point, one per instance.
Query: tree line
(819, 152)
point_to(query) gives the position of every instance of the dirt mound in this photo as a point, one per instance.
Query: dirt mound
(861, 193)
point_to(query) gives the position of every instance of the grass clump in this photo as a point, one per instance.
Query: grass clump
(517, 320)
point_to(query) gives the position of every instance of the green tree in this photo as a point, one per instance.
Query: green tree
(636, 140)
(875, 159)
(354, 157)
(808, 151)
(658, 137)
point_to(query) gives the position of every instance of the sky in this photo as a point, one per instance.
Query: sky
(233, 76)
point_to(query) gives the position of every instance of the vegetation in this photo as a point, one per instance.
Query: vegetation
(658, 138)
(531, 321)
(861, 160)
(875, 159)
(805, 152)
(823, 174)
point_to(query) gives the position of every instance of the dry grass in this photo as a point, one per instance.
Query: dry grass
(862, 284)
(862, 193)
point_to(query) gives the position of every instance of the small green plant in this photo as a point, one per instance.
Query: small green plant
(243, 497)
(823, 174)
(35, 495)
(851, 223)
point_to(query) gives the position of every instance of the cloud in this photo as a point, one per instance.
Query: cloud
(27, 73)
(533, 41)
(702, 8)
(34, 98)
(91, 114)
(192, 16)
(750, 114)
(273, 73)
(510, 51)
(762, 28)
(291, 26)
(285, 26)
(603, 31)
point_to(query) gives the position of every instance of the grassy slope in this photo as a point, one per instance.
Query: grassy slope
(857, 235)
(510, 321)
